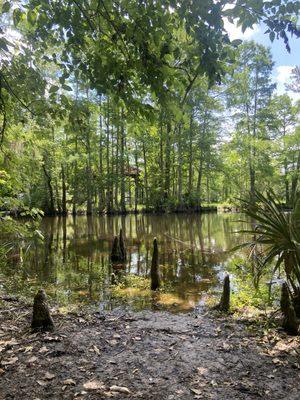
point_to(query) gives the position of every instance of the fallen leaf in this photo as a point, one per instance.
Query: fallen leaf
(119, 389)
(202, 370)
(1, 371)
(10, 361)
(43, 349)
(49, 376)
(96, 350)
(196, 391)
(93, 385)
(117, 336)
(42, 383)
(52, 339)
(226, 346)
(69, 382)
(11, 342)
(32, 360)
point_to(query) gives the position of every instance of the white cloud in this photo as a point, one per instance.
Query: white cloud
(235, 32)
(281, 78)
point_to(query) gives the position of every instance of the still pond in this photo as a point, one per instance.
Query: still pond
(73, 261)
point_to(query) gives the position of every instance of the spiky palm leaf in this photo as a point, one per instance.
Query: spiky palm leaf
(278, 232)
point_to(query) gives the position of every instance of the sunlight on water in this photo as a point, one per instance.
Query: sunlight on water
(73, 262)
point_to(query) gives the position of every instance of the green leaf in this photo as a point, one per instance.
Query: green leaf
(17, 15)
(272, 36)
(53, 89)
(3, 44)
(31, 17)
(66, 87)
(6, 7)
(236, 42)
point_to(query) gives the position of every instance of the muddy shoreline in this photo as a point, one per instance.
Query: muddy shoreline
(145, 355)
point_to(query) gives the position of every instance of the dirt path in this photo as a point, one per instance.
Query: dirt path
(148, 355)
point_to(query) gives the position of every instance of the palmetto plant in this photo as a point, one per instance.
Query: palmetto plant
(278, 232)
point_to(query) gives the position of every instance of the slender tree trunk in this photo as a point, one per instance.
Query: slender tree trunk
(51, 206)
(200, 173)
(108, 175)
(74, 197)
(122, 156)
(251, 158)
(190, 183)
(116, 201)
(146, 175)
(129, 180)
(136, 180)
(57, 197)
(100, 161)
(89, 206)
(167, 161)
(180, 164)
(89, 202)
(161, 149)
(64, 191)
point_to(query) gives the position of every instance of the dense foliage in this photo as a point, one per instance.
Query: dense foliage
(109, 106)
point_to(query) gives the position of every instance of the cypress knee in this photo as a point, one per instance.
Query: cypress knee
(155, 281)
(115, 253)
(224, 304)
(290, 322)
(41, 318)
(122, 246)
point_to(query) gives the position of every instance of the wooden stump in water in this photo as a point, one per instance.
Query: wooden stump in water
(118, 253)
(224, 304)
(115, 253)
(290, 322)
(41, 318)
(122, 246)
(154, 274)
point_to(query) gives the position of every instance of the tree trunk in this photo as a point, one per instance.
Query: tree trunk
(167, 161)
(64, 191)
(50, 206)
(190, 182)
(100, 162)
(122, 160)
(145, 175)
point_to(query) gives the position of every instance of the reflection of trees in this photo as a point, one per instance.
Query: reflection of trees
(47, 269)
(190, 249)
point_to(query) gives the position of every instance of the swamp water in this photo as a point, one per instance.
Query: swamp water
(72, 264)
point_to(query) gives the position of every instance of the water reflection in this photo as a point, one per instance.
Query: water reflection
(73, 262)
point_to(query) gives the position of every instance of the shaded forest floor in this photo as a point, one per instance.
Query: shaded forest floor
(146, 355)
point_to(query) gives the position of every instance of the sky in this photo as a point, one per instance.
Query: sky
(284, 61)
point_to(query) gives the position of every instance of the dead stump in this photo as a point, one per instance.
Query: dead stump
(154, 273)
(224, 304)
(41, 318)
(290, 322)
(118, 253)
(115, 252)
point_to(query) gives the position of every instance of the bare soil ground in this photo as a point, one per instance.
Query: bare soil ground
(146, 355)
